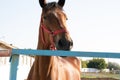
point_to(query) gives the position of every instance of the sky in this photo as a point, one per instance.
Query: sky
(93, 24)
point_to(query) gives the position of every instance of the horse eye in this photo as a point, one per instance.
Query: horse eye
(45, 17)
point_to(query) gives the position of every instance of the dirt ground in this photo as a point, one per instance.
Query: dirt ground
(98, 79)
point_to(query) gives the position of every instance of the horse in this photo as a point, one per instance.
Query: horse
(53, 35)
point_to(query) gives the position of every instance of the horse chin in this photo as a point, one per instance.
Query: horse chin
(63, 48)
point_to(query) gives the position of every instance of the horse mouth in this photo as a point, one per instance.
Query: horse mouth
(65, 49)
(64, 44)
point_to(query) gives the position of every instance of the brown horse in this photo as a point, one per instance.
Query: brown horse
(53, 35)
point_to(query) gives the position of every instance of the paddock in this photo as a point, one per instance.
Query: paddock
(15, 53)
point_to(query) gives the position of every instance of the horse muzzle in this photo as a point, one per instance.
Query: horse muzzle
(64, 44)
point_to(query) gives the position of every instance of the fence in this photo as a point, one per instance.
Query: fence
(16, 52)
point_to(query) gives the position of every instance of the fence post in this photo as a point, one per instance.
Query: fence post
(14, 67)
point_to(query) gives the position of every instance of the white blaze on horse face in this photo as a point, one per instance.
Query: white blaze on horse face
(61, 18)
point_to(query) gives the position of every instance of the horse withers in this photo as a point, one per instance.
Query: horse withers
(53, 35)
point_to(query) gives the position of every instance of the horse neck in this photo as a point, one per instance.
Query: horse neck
(45, 62)
(43, 40)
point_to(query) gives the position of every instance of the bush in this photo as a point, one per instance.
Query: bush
(97, 63)
(84, 64)
(113, 66)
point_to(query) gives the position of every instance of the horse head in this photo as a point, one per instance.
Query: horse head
(53, 22)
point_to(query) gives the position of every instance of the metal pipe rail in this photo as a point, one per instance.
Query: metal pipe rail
(66, 53)
(16, 52)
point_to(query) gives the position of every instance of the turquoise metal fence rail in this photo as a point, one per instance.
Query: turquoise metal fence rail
(16, 52)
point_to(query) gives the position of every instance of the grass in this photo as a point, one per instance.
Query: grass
(100, 75)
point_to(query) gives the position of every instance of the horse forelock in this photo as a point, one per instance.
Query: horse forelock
(52, 5)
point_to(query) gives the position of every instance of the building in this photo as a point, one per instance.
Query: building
(24, 60)
(25, 63)
(5, 46)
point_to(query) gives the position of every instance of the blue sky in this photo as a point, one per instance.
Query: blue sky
(94, 25)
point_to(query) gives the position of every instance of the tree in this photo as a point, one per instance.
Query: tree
(113, 65)
(97, 63)
(84, 64)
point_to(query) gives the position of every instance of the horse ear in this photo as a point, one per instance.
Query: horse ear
(42, 3)
(61, 2)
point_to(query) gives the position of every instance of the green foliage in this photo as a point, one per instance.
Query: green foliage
(113, 65)
(84, 64)
(97, 63)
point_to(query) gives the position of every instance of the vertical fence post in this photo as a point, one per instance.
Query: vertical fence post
(14, 66)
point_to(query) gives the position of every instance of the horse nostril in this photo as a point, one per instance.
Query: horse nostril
(62, 42)
(71, 43)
